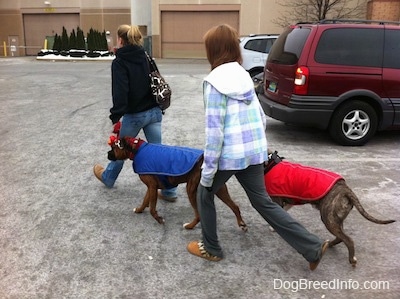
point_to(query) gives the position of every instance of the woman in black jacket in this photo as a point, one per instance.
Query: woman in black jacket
(132, 100)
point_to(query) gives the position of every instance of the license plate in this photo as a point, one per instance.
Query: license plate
(272, 87)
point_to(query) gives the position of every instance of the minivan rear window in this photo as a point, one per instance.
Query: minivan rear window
(392, 49)
(351, 46)
(287, 48)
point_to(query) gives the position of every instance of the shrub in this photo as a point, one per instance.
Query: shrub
(64, 40)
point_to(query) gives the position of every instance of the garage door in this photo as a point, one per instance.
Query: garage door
(182, 31)
(38, 26)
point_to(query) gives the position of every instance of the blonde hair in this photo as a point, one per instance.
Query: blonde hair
(130, 35)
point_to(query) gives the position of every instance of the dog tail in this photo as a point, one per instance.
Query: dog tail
(363, 212)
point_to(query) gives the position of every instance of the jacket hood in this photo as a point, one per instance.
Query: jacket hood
(131, 53)
(233, 80)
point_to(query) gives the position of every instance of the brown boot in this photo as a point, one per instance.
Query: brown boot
(197, 248)
(98, 171)
(324, 247)
(161, 196)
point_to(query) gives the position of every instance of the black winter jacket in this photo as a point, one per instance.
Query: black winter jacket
(130, 82)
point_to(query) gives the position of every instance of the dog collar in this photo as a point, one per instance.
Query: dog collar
(273, 159)
(135, 148)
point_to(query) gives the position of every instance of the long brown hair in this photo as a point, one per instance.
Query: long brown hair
(222, 45)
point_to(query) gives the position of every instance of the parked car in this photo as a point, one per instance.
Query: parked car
(255, 49)
(338, 75)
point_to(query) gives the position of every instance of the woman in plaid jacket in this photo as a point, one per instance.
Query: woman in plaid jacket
(236, 146)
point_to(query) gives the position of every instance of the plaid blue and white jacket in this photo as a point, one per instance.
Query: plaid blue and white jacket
(235, 122)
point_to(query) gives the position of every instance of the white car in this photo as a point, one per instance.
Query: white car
(255, 49)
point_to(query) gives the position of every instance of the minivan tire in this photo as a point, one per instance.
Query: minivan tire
(353, 123)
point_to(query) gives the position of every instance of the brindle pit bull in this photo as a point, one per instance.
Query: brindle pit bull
(291, 184)
(132, 148)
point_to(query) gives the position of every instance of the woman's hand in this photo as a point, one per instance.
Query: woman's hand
(117, 128)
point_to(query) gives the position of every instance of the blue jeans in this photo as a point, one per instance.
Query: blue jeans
(150, 122)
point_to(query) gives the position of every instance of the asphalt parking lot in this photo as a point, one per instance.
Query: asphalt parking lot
(64, 235)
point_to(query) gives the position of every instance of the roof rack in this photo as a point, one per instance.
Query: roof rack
(260, 34)
(380, 22)
(305, 22)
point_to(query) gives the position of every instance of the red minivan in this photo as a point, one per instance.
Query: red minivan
(339, 75)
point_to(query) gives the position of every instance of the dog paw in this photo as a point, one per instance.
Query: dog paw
(187, 226)
(353, 261)
(138, 210)
(159, 219)
(190, 225)
(243, 227)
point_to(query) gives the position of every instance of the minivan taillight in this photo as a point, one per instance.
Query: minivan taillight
(301, 80)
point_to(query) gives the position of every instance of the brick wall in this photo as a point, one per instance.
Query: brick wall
(388, 10)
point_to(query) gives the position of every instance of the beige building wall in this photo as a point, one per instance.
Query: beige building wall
(248, 16)
(256, 16)
(253, 16)
(11, 28)
(106, 16)
(387, 10)
(16, 19)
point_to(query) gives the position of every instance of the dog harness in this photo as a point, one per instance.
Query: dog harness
(298, 182)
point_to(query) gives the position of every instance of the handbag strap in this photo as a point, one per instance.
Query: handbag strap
(152, 64)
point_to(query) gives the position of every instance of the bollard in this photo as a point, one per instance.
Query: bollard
(5, 49)
(45, 43)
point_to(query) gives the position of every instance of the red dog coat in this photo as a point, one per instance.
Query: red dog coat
(301, 183)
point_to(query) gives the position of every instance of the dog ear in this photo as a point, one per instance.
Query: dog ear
(124, 142)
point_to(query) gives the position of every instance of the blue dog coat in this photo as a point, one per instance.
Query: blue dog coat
(165, 160)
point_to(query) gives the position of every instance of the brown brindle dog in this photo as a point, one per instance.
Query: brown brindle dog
(131, 148)
(291, 184)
